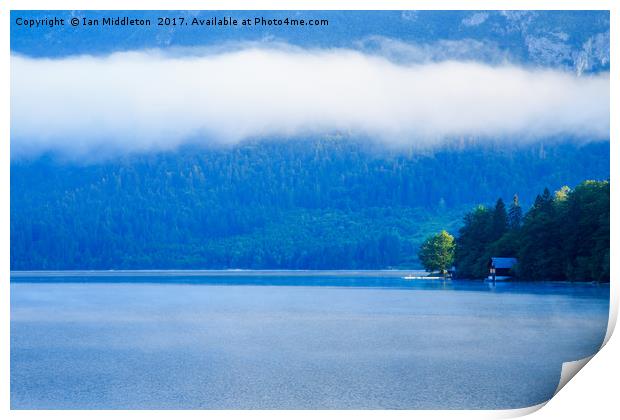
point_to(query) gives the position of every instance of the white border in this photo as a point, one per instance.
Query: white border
(598, 384)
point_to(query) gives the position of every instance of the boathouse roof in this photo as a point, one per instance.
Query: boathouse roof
(502, 262)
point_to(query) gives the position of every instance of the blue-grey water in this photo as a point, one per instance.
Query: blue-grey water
(294, 341)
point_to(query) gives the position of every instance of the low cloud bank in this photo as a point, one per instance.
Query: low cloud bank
(154, 100)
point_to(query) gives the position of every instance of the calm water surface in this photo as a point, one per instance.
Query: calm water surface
(294, 342)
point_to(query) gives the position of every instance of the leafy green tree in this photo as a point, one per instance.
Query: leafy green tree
(586, 242)
(471, 244)
(437, 252)
(561, 194)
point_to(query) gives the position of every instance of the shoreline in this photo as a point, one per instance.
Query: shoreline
(216, 273)
(399, 274)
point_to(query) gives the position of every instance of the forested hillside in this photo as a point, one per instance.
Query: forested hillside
(321, 203)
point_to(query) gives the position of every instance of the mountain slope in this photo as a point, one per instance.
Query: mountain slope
(321, 203)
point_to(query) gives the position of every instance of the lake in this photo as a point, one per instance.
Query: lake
(293, 340)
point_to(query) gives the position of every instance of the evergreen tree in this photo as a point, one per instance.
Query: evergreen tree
(500, 220)
(515, 214)
(547, 200)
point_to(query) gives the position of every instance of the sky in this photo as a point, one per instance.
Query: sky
(397, 77)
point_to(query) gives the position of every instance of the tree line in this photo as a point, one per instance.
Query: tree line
(563, 236)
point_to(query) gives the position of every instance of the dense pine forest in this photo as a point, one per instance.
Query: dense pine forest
(315, 203)
(563, 236)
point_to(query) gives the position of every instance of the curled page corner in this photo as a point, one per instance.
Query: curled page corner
(611, 324)
(569, 370)
(518, 412)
